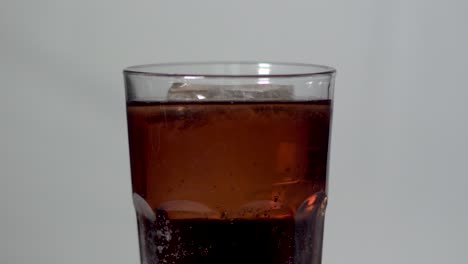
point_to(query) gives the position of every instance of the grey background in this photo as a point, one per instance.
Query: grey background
(398, 166)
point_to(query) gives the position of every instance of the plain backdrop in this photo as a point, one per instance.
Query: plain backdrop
(398, 179)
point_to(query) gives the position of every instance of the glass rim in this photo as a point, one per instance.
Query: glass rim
(160, 69)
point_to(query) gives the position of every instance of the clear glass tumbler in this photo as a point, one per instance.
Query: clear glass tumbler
(229, 160)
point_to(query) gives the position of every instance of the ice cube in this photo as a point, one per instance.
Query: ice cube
(257, 92)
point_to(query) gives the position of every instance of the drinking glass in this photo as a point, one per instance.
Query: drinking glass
(229, 160)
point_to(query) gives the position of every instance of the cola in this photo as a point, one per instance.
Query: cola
(229, 182)
(190, 241)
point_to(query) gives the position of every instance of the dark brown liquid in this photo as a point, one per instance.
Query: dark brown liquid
(219, 241)
(229, 182)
